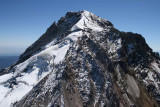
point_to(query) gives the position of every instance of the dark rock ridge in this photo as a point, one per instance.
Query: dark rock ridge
(83, 61)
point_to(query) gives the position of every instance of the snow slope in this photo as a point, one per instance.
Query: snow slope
(26, 75)
(31, 71)
(89, 63)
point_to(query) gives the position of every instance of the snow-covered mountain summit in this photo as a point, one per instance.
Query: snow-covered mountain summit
(83, 61)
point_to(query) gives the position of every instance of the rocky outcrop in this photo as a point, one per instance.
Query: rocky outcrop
(83, 61)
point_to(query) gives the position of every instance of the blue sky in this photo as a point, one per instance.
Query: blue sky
(23, 21)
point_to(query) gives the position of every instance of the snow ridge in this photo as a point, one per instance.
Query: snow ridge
(28, 73)
(76, 67)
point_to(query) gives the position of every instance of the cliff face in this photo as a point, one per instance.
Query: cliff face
(84, 61)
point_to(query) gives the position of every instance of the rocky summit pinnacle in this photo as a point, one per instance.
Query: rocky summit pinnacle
(83, 61)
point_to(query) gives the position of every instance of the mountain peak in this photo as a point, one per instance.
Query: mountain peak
(90, 21)
(86, 12)
(72, 21)
(80, 12)
(83, 61)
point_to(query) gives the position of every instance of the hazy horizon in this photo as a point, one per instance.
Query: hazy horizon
(6, 61)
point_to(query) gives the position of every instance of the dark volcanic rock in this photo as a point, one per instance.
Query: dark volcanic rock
(83, 61)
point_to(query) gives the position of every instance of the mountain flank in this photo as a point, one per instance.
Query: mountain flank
(83, 61)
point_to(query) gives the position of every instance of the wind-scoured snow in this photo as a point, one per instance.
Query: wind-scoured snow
(28, 74)
(4, 78)
(74, 36)
(75, 67)
(155, 67)
(114, 44)
(86, 21)
(17, 84)
(14, 86)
